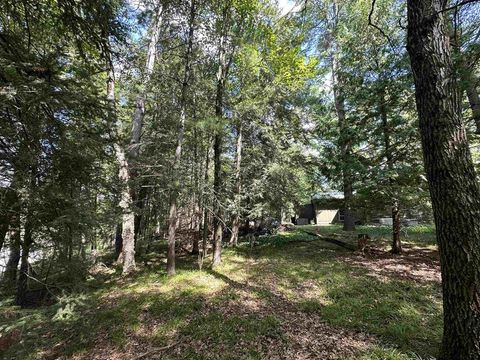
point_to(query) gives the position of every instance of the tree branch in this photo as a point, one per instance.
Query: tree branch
(461, 3)
(370, 22)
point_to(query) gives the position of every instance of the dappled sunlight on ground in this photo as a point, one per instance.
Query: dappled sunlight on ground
(290, 297)
(419, 265)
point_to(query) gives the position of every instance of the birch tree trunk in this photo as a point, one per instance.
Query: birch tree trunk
(126, 168)
(454, 188)
(172, 226)
(139, 112)
(127, 256)
(238, 186)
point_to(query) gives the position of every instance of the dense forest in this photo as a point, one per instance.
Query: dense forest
(240, 179)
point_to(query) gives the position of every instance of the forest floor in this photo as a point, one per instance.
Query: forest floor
(292, 296)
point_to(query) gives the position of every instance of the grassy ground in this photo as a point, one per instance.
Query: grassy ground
(291, 296)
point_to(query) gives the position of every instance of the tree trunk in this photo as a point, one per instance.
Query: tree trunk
(473, 98)
(205, 207)
(4, 223)
(118, 241)
(344, 140)
(349, 220)
(22, 283)
(452, 180)
(126, 168)
(9, 210)
(172, 226)
(217, 189)
(396, 243)
(217, 147)
(468, 79)
(139, 112)
(10, 275)
(238, 184)
(128, 217)
(138, 197)
(196, 203)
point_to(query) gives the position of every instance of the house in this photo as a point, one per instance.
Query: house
(325, 208)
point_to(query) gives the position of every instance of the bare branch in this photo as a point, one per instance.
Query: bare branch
(370, 22)
(461, 3)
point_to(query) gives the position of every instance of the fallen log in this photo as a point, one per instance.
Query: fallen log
(332, 241)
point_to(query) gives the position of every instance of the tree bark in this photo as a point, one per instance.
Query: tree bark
(8, 210)
(238, 186)
(128, 216)
(22, 283)
(452, 180)
(10, 275)
(4, 223)
(127, 256)
(172, 227)
(396, 243)
(118, 242)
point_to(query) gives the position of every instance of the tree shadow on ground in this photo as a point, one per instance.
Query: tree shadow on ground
(281, 300)
(404, 311)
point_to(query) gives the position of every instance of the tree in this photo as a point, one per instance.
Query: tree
(238, 185)
(345, 141)
(53, 117)
(172, 227)
(453, 184)
(126, 160)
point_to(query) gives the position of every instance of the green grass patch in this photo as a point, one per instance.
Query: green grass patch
(199, 306)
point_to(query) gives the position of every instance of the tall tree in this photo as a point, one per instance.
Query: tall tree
(334, 17)
(453, 184)
(224, 61)
(127, 159)
(172, 227)
(238, 185)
